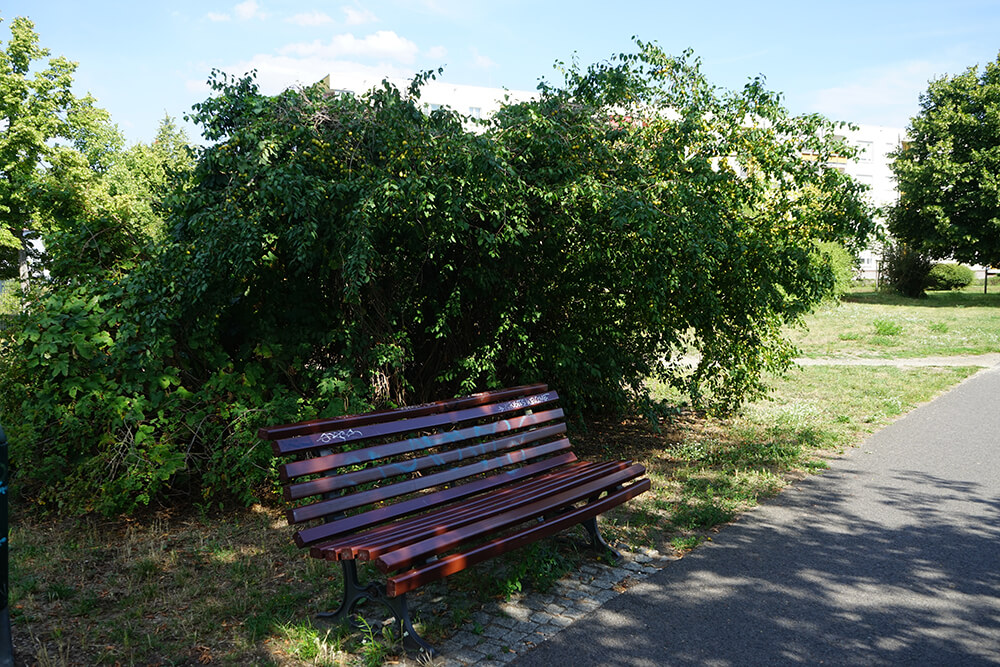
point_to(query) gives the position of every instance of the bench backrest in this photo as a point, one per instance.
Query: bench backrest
(358, 471)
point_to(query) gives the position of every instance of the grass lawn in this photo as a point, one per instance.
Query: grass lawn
(869, 324)
(231, 589)
(705, 471)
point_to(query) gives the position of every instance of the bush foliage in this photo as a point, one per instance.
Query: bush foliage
(904, 270)
(842, 264)
(330, 253)
(949, 276)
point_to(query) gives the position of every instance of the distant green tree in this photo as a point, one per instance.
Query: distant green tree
(842, 263)
(904, 270)
(35, 104)
(102, 203)
(949, 170)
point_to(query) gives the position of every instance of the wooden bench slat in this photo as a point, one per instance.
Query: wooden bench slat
(416, 577)
(323, 464)
(390, 470)
(314, 534)
(469, 509)
(316, 426)
(362, 498)
(446, 513)
(498, 488)
(373, 546)
(343, 436)
(407, 555)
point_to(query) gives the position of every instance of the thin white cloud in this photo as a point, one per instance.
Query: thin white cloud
(278, 72)
(880, 96)
(248, 10)
(244, 11)
(309, 19)
(481, 61)
(381, 45)
(356, 16)
(437, 53)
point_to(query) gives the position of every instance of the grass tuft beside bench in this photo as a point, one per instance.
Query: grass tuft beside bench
(429, 490)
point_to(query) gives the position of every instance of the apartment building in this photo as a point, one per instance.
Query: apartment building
(873, 168)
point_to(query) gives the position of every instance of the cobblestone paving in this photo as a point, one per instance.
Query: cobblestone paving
(499, 632)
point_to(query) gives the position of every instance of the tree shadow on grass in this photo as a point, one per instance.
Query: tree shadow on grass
(932, 300)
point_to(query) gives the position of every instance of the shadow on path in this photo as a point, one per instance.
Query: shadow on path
(885, 559)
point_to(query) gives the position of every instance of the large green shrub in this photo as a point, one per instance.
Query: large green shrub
(842, 264)
(949, 276)
(109, 414)
(332, 253)
(904, 270)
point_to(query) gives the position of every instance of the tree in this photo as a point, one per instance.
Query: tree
(332, 253)
(949, 170)
(77, 354)
(904, 270)
(34, 109)
(102, 204)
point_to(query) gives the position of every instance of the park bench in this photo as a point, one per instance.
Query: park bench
(429, 490)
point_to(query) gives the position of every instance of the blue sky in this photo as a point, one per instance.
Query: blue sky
(865, 62)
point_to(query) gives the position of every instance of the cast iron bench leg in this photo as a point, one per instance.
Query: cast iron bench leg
(355, 593)
(597, 542)
(411, 640)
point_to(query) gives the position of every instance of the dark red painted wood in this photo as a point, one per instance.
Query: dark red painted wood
(324, 464)
(341, 437)
(409, 466)
(368, 547)
(422, 503)
(353, 421)
(449, 516)
(361, 498)
(438, 544)
(416, 577)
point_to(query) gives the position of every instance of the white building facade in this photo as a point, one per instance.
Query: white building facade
(875, 143)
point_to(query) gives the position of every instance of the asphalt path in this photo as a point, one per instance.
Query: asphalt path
(890, 557)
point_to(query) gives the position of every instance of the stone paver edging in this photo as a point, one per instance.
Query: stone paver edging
(499, 632)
